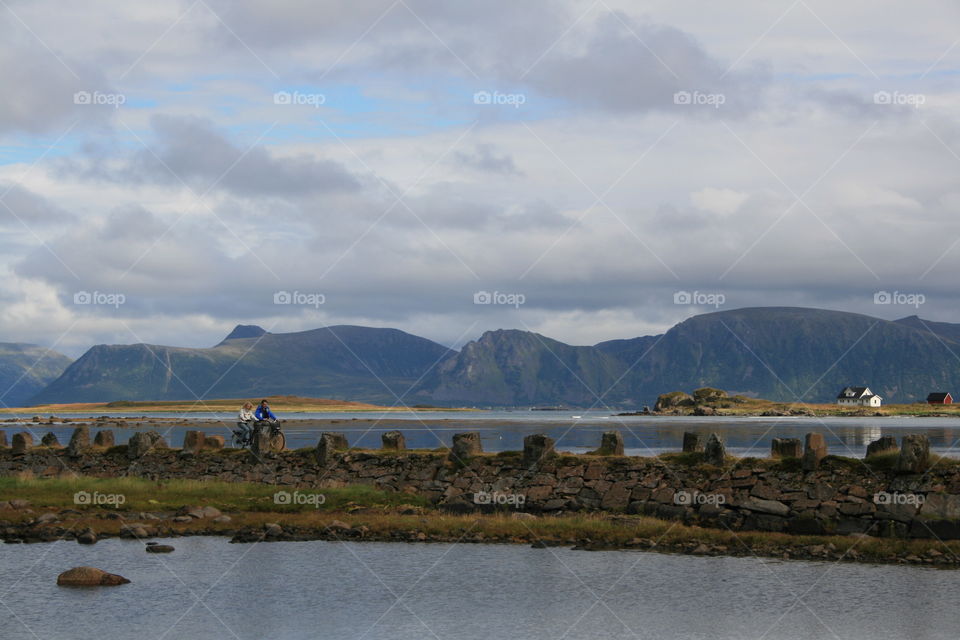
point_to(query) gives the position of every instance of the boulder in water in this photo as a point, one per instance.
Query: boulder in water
(89, 577)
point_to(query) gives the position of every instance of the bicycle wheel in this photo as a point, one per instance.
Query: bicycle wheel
(278, 441)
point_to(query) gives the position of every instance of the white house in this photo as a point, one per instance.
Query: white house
(858, 397)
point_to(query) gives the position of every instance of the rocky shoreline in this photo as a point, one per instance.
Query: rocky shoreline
(21, 524)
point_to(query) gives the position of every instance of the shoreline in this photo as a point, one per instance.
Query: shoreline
(87, 509)
(606, 532)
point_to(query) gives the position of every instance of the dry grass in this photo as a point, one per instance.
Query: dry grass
(287, 404)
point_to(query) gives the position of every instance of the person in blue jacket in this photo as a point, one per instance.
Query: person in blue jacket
(264, 414)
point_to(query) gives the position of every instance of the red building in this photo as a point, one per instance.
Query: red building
(940, 398)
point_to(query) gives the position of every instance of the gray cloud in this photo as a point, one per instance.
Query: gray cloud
(623, 65)
(194, 151)
(484, 158)
(22, 206)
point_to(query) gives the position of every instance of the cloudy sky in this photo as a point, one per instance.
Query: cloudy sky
(171, 169)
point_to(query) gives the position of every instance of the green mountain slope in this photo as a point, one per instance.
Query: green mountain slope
(342, 362)
(509, 367)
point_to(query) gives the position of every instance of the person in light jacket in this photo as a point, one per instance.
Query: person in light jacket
(246, 417)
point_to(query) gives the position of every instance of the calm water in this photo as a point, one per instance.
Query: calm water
(212, 589)
(643, 435)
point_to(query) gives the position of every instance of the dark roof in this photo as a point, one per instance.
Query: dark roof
(940, 396)
(857, 392)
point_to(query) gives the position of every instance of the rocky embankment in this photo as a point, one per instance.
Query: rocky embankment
(801, 491)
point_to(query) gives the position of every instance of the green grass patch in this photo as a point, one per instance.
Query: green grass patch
(883, 461)
(683, 459)
(146, 495)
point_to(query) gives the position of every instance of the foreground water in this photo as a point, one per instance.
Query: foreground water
(209, 588)
(578, 433)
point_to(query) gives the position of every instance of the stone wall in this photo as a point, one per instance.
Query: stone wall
(839, 495)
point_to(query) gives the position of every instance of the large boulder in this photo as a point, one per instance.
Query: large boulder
(886, 444)
(89, 577)
(692, 442)
(193, 441)
(79, 441)
(330, 442)
(465, 445)
(785, 448)
(611, 444)
(815, 450)
(50, 440)
(914, 453)
(3, 439)
(89, 536)
(143, 442)
(673, 400)
(21, 442)
(394, 441)
(537, 448)
(715, 452)
(104, 438)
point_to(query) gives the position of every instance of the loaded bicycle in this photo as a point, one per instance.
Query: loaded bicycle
(246, 433)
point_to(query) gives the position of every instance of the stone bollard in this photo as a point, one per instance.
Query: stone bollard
(79, 441)
(815, 450)
(537, 448)
(193, 441)
(330, 442)
(3, 439)
(143, 442)
(394, 441)
(886, 444)
(465, 445)
(715, 452)
(104, 439)
(261, 441)
(692, 442)
(21, 442)
(50, 440)
(914, 454)
(786, 448)
(611, 444)
(213, 442)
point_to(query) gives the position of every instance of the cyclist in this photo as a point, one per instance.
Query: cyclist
(264, 414)
(246, 418)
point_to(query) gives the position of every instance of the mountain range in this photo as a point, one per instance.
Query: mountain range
(780, 353)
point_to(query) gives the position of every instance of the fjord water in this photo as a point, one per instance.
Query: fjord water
(211, 589)
(575, 432)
